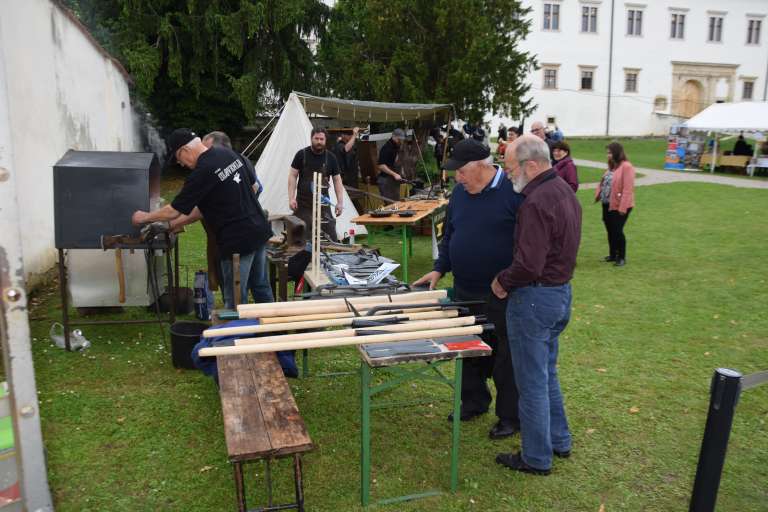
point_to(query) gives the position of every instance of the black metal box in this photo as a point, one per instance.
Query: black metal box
(96, 192)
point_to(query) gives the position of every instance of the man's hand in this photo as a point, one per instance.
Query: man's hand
(431, 277)
(397, 177)
(339, 209)
(139, 217)
(355, 131)
(498, 290)
(293, 204)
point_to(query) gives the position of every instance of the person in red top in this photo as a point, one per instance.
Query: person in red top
(564, 166)
(616, 192)
(537, 284)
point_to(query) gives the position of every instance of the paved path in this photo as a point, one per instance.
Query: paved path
(655, 177)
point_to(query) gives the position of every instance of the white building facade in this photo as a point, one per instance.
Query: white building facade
(632, 68)
(63, 91)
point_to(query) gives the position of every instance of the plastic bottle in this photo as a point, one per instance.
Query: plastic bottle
(351, 237)
(76, 339)
(201, 295)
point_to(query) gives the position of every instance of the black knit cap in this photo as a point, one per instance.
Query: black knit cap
(178, 138)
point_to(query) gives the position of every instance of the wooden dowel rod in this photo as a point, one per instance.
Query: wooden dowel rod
(320, 324)
(325, 316)
(355, 301)
(418, 325)
(338, 342)
(321, 307)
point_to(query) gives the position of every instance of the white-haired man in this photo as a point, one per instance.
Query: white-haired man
(219, 188)
(538, 292)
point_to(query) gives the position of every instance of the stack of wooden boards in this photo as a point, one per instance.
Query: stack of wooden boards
(387, 319)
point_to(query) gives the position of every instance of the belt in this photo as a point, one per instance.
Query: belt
(546, 285)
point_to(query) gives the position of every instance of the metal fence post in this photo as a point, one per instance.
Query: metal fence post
(724, 393)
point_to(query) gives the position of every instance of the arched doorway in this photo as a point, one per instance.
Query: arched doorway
(691, 98)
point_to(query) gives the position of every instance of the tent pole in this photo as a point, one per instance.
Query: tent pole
(714, 156)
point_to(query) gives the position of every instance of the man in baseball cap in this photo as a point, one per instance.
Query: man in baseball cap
(479, 237)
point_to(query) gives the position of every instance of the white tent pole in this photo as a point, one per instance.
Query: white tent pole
(714, 155)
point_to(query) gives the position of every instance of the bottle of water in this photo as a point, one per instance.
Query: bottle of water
(201, 295)
(351, 237)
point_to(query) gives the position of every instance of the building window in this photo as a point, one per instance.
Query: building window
(748, 90)
(678, 26)
(588, 19)
(715, 29)
(587, 79)
(660, 104)
(634, 22)
(550, 78)
(551, 16)
(630, 80)
(753, 31)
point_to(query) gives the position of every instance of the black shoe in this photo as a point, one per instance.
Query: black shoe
(562, 455)
(502, 429)
(609, 258)
(515, 461)
(620, 262)
(467, 415)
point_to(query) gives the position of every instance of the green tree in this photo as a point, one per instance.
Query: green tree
(445, 51)
(213, 64)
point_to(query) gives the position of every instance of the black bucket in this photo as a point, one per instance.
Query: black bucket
(184, 337)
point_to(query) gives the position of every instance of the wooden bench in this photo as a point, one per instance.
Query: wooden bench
(261, 420)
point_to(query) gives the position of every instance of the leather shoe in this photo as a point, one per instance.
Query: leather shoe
(467, 415)
(562, 455)
(515, 461)
(620, 262)
(502, 429)
(609, 258)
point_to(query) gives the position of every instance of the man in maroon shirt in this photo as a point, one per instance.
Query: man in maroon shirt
(547, 236)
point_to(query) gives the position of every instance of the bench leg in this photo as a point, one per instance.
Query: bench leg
(299, 482)
(239, 486)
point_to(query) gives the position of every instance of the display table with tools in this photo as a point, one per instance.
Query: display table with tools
(417, 210)
(433, 359)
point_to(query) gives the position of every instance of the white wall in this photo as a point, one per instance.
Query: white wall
(63, 93)
(584, 112)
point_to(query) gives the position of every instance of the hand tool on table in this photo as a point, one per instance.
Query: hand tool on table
(242, 348)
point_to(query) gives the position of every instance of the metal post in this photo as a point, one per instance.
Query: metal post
(456, 419)
(713, 164)
(405, 253)
(724, 393)
(239, 486)
(171, 291)
(64, 299)
(365, 434)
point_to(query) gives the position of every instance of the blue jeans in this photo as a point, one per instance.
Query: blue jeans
(253, 277)
(536, 315)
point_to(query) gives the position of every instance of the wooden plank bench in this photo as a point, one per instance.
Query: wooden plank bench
(261, 420)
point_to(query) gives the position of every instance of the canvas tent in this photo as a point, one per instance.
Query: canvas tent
(730, 118)
(292, 133)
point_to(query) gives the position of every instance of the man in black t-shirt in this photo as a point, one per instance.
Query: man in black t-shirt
(346, 155)
(219, 188)
(315, 158)
(389, 166)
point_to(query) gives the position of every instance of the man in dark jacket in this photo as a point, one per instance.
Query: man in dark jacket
(477, 243)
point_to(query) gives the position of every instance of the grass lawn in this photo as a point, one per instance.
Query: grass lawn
(124, 431)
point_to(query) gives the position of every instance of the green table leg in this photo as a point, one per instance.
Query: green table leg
(410, 241)
(405, 254)
(365, 431)
(456, 419)
(305, 363)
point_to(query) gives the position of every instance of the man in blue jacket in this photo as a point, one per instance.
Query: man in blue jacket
(478, 242)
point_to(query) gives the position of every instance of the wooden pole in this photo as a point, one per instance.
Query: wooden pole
(321, 308)
(418, 325)
(299, 305)
(320, 324)
(329, 316)
(338, 342)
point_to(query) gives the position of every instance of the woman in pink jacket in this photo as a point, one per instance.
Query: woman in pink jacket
(616, 192)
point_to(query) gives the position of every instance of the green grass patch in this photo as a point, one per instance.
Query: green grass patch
(124, 431)
(646, 152)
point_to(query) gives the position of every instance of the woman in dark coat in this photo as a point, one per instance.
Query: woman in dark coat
(564, 165)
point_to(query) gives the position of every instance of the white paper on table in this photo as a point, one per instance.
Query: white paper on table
(383, 271)
(353, 280)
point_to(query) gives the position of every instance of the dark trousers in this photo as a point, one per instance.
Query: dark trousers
(388, 187)
(475, 395)
(328, 221)
(614, 226)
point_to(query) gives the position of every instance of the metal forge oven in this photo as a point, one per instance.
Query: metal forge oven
(105, 261)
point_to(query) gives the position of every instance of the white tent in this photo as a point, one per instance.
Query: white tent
(292, 133)
(746, 116)
(732, 118)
